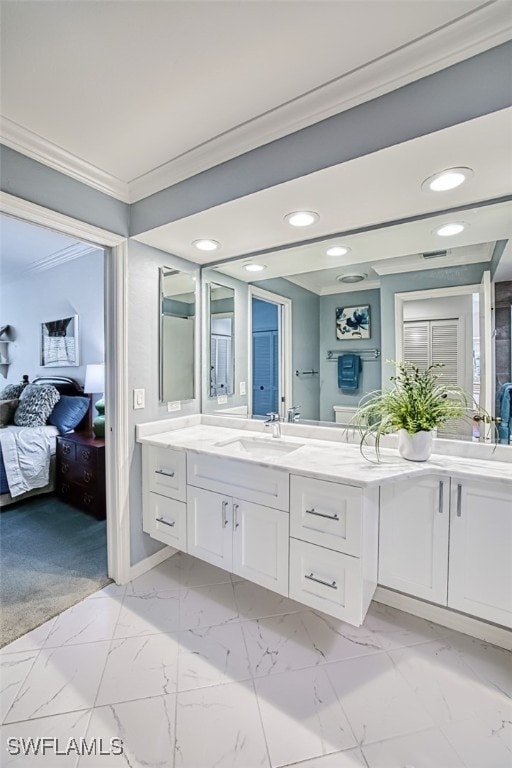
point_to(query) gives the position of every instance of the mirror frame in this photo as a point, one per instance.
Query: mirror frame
(162, 273)
(208, 292)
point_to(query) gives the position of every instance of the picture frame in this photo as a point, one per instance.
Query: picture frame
(59, 343)
(353, 323)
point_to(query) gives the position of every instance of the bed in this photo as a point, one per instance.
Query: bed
(41, 438)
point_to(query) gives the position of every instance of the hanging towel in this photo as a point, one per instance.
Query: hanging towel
(349, 368)
(505, 411)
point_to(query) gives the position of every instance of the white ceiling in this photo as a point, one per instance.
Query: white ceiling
(132, 96)
(28, 248)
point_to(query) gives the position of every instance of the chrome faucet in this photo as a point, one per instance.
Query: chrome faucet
(273, 419)
(293, 414)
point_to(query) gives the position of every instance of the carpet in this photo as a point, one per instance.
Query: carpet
(51, 557)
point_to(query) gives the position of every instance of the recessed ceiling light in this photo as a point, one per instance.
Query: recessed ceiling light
(255, 267)
(447, 230)
(206, 245)
(337, 250)
(301, 218)
(448, 179)
(352, 277)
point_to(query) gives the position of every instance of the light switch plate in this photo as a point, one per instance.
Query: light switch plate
(175, 406)
(243, 388)
(139, 399)
(222, 400)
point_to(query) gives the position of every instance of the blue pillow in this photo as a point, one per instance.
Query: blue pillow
(68, 413)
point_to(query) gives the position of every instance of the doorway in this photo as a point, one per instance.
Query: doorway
(269, 353)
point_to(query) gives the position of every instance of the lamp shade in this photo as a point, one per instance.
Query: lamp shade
(94, 378)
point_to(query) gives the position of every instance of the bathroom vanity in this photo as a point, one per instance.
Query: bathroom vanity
(308, 517)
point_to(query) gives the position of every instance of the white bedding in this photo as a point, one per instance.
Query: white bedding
(26, 453)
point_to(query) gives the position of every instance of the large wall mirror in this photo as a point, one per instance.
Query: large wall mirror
(221, 334)
(177, 335)
(400, 291)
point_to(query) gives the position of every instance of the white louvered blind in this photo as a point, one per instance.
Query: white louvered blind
(427, 342)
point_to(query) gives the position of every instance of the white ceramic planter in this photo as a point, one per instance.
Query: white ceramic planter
(417, 447)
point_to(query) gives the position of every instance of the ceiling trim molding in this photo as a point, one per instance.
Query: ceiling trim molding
(441, 263)
(70, 253)
(435, 51)
(36, 147)
(36, 214)
(485, 27)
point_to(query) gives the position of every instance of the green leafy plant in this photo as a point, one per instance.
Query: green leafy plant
(419, 401)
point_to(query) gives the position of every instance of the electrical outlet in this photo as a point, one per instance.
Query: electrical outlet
(176, 406)
(243, 388)
(222, 400)
(139, 398)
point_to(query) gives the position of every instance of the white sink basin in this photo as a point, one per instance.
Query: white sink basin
(254, 446)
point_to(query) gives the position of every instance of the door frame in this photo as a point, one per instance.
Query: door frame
(116, 371)
(285, 347)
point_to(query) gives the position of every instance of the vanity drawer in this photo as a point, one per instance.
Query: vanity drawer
(166, 520)
(326, 580)
(245, 480)
(164, 471)
(326, 513)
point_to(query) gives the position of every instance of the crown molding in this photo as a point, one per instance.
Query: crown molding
(461, 39)
(433, 52)
(36, 147)
(440, 263)
(70, 253)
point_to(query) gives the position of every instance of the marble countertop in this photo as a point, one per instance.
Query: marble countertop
(324, 459)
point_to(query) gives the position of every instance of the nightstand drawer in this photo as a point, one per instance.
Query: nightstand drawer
(326, 580)
(66, 449)
(165, 472)
(87, 499)
(326, 513)
(86, 455)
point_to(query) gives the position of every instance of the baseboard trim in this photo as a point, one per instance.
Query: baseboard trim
(460, 622)
(150, 562)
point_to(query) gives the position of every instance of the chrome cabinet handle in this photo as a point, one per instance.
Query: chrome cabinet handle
(332, 585)
(441, 497)
(166, 522)
(224, 513)
(459, 500)
(235, 522)
(163, 472)
(321, 514)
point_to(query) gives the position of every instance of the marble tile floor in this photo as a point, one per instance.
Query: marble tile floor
(193, 668)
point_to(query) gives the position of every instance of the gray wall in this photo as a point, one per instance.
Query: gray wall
(305, 342)
(26, 178)
(417, 281)
(370, 378)
(143, 368)
(75, 287)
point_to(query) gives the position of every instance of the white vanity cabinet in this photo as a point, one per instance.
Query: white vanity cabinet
(333, 546)
(480, 574)
(239, 536)
(449, 541)
(413, 539)
(164, 495)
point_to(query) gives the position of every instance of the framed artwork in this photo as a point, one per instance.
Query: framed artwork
(353, 323)
(59, 342)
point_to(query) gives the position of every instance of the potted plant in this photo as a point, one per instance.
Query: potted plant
(418, 403)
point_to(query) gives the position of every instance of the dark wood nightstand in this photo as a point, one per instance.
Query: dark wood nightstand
(81, 472)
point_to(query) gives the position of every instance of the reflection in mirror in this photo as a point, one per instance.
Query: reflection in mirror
(177, 334)
(394, 277)
(222, 348)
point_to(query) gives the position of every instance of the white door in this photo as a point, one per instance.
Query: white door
(209, 527)
(260, 545)
(413, 543)
(486, 355)
(480, 576)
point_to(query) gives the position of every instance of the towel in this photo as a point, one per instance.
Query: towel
(349, 367)
(505, 411)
